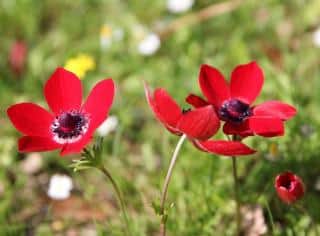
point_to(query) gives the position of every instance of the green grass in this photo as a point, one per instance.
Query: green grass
(277, 34)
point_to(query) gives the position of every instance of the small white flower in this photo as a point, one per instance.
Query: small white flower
(149, 45)
(316, 37)
(178, 6)
(109, 125)
(60, 187)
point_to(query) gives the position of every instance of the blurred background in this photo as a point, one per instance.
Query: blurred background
(164, 43)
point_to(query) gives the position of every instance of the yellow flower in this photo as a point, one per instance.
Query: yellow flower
(80, 64)
(106, 31)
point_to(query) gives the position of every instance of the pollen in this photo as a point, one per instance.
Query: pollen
(69, 127)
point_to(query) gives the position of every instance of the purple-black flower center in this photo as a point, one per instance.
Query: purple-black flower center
(234, 111)
(286, 184)
(68, 127)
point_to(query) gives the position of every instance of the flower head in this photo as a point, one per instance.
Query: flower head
(178, 6)
(149, 45)
(198, 124)
(289, 187)
(233, 102)
(70, 125)
(109, 125)
(316, 37)
(60, 187)
(80, 65)
(18, 56)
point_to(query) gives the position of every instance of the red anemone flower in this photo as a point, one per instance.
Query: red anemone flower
(69, 125)
(289, 187)
(198, 124)
(18, 56)
(233, 103)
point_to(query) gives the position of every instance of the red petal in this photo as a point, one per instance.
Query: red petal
(165, 108)
(201, 123)
(99, 102)
(196, 101)
(63, 91)
(37, 144)
(266, 126)
(277, 109)
(30, 119)
(222, 147)
(77, 147)
(213, 85)
(246, 82)
(241, 129)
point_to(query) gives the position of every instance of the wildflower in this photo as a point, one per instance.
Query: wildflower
(18, 56)
(149, 44)
(60, 187)
(233, 103)
(80, 65)
(178, 6)
(289, 187)
(70, 126)
(108, 34)
(109, 125)
(316, 37)
(198, 124)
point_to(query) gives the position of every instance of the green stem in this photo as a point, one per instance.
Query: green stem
(120, 198)
(166, 185)
(236, 194)
(270, 217)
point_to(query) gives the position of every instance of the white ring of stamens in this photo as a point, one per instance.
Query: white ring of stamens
(79, 133)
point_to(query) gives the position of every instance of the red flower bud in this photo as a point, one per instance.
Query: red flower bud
(17, 56)
(289, 187)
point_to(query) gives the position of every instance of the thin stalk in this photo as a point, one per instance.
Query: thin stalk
(166, 185)
(270, 217)
(236, 188)
(120, 198)
(236, 193)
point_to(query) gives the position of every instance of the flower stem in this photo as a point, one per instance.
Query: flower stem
(166, 185)
(119, 196)
(236, 193)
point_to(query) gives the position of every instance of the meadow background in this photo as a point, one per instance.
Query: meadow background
(278, 34)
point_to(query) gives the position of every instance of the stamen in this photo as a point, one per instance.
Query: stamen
(69, 127)
(234, 111)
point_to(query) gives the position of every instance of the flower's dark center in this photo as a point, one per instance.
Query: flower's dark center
(286, 184)
(68, 127)
(234, 111)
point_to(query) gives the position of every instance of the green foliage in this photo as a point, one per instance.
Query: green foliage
(276, 33)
